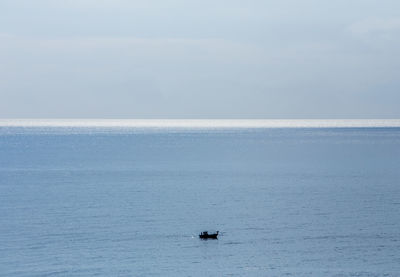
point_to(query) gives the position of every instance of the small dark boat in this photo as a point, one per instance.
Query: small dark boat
(206, 235)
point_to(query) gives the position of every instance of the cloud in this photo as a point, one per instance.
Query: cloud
(130, 76)
(384, 28)
(160, 48)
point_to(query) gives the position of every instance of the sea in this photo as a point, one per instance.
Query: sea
(294, 198)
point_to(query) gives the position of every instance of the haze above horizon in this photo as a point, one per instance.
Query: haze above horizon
(189, 59)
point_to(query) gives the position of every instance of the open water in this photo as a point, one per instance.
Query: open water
(102, 201)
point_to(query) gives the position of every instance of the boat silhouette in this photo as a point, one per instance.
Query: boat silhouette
(206, 235)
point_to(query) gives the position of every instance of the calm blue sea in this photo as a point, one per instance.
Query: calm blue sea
(98, 201)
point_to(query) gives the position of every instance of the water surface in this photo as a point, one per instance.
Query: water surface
(102, 201)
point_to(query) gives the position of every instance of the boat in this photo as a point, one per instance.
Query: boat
(206, 235)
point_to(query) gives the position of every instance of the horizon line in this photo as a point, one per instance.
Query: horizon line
(201, 123)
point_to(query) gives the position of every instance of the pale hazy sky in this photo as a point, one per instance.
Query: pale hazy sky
(199, 59)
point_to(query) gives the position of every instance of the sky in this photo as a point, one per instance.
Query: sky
(200, 59)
